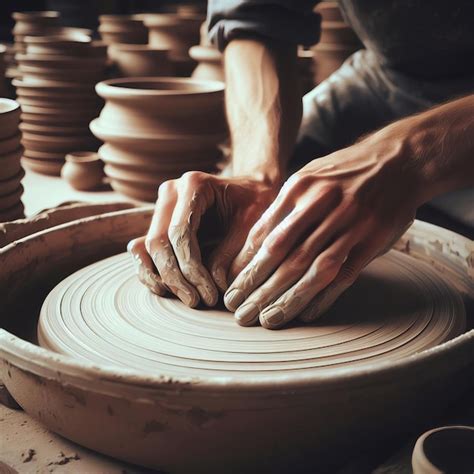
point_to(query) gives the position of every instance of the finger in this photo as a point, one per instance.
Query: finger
(277, 245)
(358, 259)
(319, 275)
(145, 268)
(182, 233)
(160, 250)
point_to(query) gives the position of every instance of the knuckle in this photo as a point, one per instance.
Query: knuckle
(193, 177)
(299, 181)
(329, 264)
(165, 188)
(301, 258)
(135, 245)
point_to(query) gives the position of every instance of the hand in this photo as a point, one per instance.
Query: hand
(169, 257)
(328, 222)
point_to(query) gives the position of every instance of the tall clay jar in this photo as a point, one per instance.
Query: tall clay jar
(84, 171)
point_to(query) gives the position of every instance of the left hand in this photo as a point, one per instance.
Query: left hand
(328, 222)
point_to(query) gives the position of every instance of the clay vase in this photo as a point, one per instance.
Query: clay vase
(209, 61)
(329, 11)
(448, 449)
(127, 29)
(135, 60)
(84, 171)
(160, 127)
(9, 118)
(176, 33)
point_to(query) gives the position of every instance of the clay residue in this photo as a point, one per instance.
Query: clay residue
(64, 459)
(29, 455)
(199, 417)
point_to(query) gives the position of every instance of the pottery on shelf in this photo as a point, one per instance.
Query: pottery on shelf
(127, 29)
(210, 63)
(84, 171)
(329, 11)
(136, 60)
(159, 127)
(47, 167)
(176, 33)
(448, 449)
(149, 417)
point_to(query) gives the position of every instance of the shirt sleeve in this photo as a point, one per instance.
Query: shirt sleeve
(291, 21)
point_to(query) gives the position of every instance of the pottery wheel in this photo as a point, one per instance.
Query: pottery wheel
(102, 314)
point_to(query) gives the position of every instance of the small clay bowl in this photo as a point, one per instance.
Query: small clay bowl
(11, 199)
(10, 164)
(83, 171)
(13, 213)
(8, 186)
(51, 168)
(449, 449)
(7, 145)
(9, 118)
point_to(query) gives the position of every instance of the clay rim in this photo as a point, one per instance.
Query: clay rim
(35, 15)
(82, 157)
(65, 369)
(8, 106)
(125, 87)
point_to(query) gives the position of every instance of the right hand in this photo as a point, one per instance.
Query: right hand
(169, 257)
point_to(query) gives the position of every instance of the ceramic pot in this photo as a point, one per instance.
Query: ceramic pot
(10, 164)
(78, 45)
(329, 58)
(209, 63)
(39, 22)
(161, 124)
(448, 449)
(178, 34)
(329, 11)
(8, 145)
(52, 130)
(13, 213)
(11, 199)
(150, 418)
(9, 118)
(84, 171)
(33, 141)
(48, 167)
(122, 29)
(44, 155)
(135, 60)
(8, 186)
(338, 32)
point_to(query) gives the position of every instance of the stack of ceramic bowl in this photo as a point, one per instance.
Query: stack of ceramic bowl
(57, 98)
(176, 33)
(128, 29)
(338, 41)
(11, 173)
(156, 129)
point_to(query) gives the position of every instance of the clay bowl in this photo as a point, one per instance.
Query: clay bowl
(54, 131)
(210, 64)
(329, 11)
(173, 32)
(11, 199)
(139, 192)
(33, 141)
(27, 22)
(44, 155)
(336, 32)
(84, 171)
(49, 167)
(275, 420)
(13, 213)
(61, 113)
(10, 164)
(444, 450)
(10, 144)
(8, 186)
(136, 60)
(9, 118)
(162, 106)
(58, 45)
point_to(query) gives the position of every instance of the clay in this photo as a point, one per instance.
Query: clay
(44, 155)
(52, 130)
(128, 29)
(149, 417)
(160, 121)
(135, 60)
(58, 143)
(48, 167)
(444, 450)
(12, 199)
(9, 118)
(7, 145)
(139, 192)
(9, 185)
(329, 11)
(10, 164)
(84, 171)
(75, 44)
(210, 65)
(13, 213)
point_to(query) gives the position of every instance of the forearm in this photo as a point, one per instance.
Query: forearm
(440, 146)
(263, 105)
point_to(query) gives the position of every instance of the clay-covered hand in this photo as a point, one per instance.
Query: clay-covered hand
(169, 258)
(329, 220)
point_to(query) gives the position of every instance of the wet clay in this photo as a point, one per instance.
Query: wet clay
(102, 314)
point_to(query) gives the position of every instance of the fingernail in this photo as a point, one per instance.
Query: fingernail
(272, 317)
(246, 314)
(234, 298)
(185, 297)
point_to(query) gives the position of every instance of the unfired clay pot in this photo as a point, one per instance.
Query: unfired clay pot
(13, 213)
(10, 144)
(84, 171)
(135, 60)
(48, 167)
(448, 449)
(11, 199)
(30, 22)
(122, 29)
(329, 11)
(9, 118)
(209, 61)
(267, 423)
(8, 186)
(10, 164)
(161, 121)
